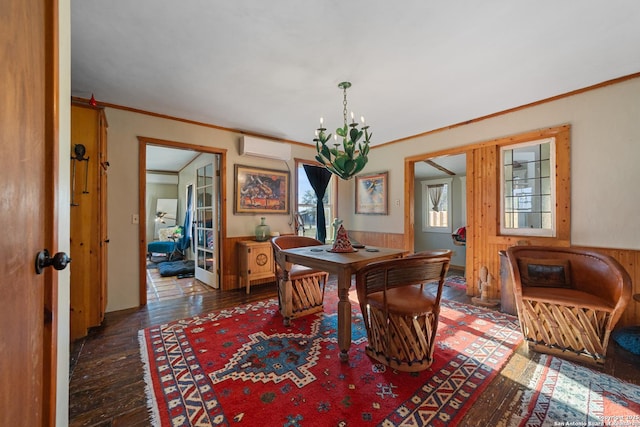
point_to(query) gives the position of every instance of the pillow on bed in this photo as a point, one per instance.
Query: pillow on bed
(550, 273)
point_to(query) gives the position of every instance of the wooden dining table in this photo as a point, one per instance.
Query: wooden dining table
(344, 265)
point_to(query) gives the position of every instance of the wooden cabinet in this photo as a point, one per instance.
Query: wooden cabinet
(88, 249)
(255, 261)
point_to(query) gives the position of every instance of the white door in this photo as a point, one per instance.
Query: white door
(206, 225)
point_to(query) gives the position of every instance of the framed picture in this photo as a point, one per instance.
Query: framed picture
(259, 190)
(372, 194)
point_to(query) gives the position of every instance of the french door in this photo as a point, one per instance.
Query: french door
(206, 225)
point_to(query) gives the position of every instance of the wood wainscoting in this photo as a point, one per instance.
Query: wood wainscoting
(487, 254)
(484, 254)
(630, 260)
(374, 238)
(231, 280)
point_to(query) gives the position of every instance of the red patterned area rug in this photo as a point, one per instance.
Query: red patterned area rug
(242, 366)
(562, 393)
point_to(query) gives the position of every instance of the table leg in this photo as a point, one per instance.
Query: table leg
(285, 297)
(344, 316)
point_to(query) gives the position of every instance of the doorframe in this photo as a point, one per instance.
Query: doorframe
(52, 207)
(409, 189)
(142, 209)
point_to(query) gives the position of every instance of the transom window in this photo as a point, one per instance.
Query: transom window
(528, 188)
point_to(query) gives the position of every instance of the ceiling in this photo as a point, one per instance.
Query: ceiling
(441, 167)
(166, 159)
(272, 68)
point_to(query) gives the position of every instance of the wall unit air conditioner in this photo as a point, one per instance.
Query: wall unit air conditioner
(251, 146)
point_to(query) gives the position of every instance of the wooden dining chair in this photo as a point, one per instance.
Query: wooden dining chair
(307, 284)
(400, 304)
(448, 253)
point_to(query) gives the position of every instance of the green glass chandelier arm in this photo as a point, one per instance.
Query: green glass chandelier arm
(335, 152)
(364, 149)
(360, 164)
(345, 146)
(355, 134)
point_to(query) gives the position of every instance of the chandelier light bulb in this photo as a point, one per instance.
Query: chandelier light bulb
(347, 159)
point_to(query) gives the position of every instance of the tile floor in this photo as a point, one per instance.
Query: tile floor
(164, 288)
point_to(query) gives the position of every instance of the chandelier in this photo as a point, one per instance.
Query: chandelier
(342, 159)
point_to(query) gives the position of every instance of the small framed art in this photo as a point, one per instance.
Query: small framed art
(372, 194)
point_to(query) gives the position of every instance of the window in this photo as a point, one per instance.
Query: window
(436, 205)
(306, 203)
(528, 188)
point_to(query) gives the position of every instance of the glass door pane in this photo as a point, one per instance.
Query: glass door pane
(206, 226)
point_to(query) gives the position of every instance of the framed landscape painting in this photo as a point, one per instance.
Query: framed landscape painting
(259, 190)
(372, 194)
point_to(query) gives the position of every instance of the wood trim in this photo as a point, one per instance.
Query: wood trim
(409, 203)
(471, 217)
(483, 200)
(142, 185)
(483, 239)
(142, 227)
(395, 141)
(508, 140)
(512, 110)
(52, 208)
(85, 101)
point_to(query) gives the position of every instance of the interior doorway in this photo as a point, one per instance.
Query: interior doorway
(179, 164)
(440, 208)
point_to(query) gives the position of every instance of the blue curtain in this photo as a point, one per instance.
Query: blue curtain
(185, 242)
(319, 178)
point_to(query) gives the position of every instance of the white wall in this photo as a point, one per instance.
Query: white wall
(155, 192)
(64, 210)
(424, 240)
(122, 196)
(605, 154)
(605, 150)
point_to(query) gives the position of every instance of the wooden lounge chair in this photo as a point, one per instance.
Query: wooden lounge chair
(568, 300)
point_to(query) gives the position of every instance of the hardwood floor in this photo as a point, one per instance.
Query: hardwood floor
(106, 379)
(165, 288)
